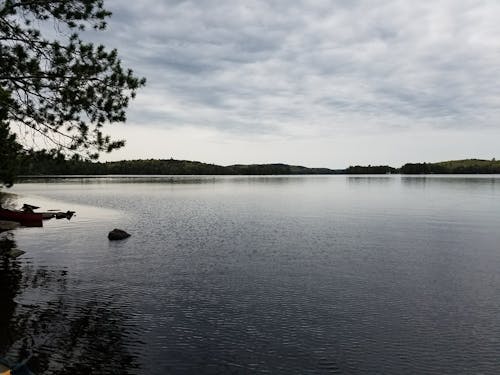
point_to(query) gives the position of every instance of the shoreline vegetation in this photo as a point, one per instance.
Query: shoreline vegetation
(42, 165)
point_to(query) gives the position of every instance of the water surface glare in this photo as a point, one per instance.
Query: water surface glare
(285, 274)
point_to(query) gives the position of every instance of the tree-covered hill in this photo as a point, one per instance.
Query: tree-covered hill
(466, 166)
(44, 164)
(371, 169)
(261, 169)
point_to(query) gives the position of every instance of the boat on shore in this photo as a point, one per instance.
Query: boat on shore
(27, 219)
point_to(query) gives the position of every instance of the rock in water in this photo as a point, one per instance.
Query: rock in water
(117, 234)
(15, 253)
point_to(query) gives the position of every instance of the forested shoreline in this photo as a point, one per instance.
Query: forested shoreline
(466, 166)
(39, 163)
(43, 164)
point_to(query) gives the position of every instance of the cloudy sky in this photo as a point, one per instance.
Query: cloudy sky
(316, 83)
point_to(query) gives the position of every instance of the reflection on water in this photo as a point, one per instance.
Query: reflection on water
(41, 319)
(370, 179)
(10, 284)
(450, 180)
(307, 274)
(171, 179)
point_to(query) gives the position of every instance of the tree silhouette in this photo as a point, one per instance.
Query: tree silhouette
(60, 88)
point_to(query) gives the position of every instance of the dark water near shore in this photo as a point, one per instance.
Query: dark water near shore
(320, 274)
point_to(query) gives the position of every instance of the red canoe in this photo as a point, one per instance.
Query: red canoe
(26, 219)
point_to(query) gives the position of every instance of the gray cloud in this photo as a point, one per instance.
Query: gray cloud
(311, 66)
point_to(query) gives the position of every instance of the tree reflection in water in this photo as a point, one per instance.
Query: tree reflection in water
(10, 285)
(64, 334)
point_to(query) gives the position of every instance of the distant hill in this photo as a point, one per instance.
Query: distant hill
(261, 169)
(40, 163)
(47, 165)
(466, 166)
(371, 169)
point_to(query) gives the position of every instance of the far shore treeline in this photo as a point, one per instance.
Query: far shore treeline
(43, 163)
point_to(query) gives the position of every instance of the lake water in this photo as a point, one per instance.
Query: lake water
(285, 274)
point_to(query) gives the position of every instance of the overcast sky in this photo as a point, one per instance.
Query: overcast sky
(316, 83)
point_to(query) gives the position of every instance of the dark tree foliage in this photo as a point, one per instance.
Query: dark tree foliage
(9, 153)
(45, 163)
(418, 168)
(9, 150)
(371, 169)
(57, 88)
(467, 166)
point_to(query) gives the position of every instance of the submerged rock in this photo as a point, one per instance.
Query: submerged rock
(117, 234)
(15, 253)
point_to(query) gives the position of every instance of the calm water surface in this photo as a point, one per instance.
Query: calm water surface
(323, 274)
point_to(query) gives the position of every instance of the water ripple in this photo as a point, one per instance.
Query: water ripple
(304, 276)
